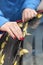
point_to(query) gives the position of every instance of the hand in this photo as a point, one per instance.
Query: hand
(28, 14)
(13, 29)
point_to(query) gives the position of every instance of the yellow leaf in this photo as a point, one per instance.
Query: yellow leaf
(39, 15)
(23, 51)
(15, 63)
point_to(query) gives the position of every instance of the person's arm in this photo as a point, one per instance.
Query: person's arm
(29, 9)
(3, 20)
(11, 28)
(33, 4)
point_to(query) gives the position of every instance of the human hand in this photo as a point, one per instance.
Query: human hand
(28, 14)
(13, 29)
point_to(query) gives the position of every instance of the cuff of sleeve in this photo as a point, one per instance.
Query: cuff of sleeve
(3, 20)
(31, 7)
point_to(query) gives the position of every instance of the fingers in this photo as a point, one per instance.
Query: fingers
(23, 16)
(34, 13)
(28, 14)
(13, 29)
(16, 31)
(11, 34)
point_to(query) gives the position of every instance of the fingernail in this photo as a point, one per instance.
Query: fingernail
(22, 38)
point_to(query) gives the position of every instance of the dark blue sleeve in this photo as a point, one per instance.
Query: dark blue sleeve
(33, 4)
(2, 19)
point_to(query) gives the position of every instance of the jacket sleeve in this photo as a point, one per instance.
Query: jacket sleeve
(33, 4)
(2, 19)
